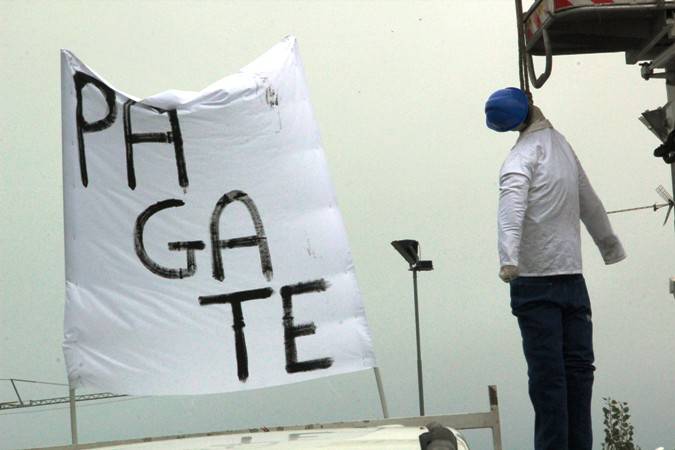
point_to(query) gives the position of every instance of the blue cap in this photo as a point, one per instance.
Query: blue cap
(506, 109)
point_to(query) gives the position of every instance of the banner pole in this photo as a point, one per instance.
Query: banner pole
(380, 390)
(73, 417)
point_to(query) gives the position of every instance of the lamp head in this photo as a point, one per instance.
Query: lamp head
(408, 248)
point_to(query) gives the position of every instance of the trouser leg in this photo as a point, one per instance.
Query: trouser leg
(540, 321)
(578, 355)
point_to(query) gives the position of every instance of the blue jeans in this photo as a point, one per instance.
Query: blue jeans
(554, 315)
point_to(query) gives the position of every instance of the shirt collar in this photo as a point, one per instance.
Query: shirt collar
(537, 122)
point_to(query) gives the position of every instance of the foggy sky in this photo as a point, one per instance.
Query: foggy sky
(398, 90)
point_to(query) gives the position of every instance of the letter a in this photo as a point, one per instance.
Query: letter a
(258, 239)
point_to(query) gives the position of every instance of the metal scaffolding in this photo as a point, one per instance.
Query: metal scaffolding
(21, 403)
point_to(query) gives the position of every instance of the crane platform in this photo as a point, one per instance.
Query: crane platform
(639, 27)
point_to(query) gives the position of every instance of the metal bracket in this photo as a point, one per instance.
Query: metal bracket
(665, 57)
(656, 120)
(660, 62)
(668, 30)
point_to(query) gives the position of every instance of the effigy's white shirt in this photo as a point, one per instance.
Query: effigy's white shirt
(544, 193)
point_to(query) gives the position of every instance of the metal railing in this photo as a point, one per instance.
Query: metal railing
(465, 421)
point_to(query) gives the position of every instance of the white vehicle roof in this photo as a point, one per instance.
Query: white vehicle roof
(389, 437)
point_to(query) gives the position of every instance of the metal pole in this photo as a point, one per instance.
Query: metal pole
(16, 390)
(380, 390)
(420, 384)
(670, 113)
(73, 418)
(496, 428)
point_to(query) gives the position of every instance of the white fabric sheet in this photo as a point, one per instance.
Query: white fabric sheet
(187, 209)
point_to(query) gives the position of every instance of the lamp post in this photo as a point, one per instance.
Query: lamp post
(409, 249)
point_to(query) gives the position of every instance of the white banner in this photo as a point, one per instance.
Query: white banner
(204, 248)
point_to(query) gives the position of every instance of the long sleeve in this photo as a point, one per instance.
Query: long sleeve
(594, 217)
(514, 186)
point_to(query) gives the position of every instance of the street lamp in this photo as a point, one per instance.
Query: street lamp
(409, 249)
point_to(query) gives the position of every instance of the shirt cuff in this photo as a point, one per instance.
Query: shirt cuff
(611, 249)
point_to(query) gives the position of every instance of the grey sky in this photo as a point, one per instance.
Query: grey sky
(398, 90)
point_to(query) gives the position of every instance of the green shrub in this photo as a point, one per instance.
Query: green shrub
(618, 430)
